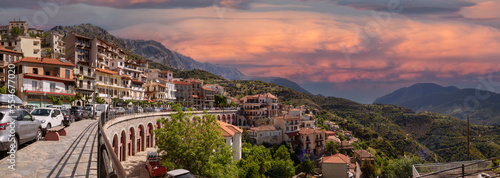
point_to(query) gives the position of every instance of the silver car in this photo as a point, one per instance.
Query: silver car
(24, 126)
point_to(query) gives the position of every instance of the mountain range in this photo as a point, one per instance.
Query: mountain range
(150, 49)
(482, 109)
(157, 52)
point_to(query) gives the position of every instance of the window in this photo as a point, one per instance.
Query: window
(52, 86)
(34, 85)
(88, 71)
(100, 78)
(67, 73)
(47, 73)
(26, 116)
(35, 70)
(81, 69)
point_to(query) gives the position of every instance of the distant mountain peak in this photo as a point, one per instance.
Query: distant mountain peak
(446, 100)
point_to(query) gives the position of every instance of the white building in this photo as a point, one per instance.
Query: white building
(232, 135)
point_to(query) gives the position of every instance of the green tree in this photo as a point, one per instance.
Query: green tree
(331, 147)
(255, 162)
(71, 99)
(87, 98)
(15, 32)
(3, 90)
(220, 101)
(56, 100)
(282, 165)
(197, 146)
(232, 104)
(99, 100)
(368, 169)
(307, 166)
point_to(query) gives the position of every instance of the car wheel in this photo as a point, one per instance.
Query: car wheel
(48, 127)
(38, 134)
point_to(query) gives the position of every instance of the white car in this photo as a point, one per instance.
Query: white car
(49, 117)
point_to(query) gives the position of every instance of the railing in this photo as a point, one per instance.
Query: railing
(108, 164)
(457, 169)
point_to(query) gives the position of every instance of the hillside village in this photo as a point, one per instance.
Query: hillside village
(101, 72)
(75, 70)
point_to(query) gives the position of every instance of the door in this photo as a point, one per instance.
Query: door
(33, 126)
(22, 126)
(59, 117)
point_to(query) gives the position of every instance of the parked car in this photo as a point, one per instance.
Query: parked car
(27, 128)
(79, 112)
(179, 173)
(30, 107)
(90, 111)
(68, 118)
(130, 110)
(119, 110)
(49, 117)
(138, 109)
(166, 109)
(148, 109)
(153, 165)
(157, 109)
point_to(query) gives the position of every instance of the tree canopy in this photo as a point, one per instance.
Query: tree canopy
(196, 145)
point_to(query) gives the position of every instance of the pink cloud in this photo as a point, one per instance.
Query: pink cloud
(306, 46)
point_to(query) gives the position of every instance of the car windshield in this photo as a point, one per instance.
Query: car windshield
(76, 107)
(65, 113)
(187, 175)
(41, 112)
(88, 108)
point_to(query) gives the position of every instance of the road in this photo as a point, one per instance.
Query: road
(75, 155)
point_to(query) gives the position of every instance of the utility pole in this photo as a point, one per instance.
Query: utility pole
(468, 139)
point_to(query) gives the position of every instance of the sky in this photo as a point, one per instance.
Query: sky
(354, 49)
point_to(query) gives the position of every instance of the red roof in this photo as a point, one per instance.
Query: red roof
(48, 77)
(9, 51)
(136, 81)
(50, 93)
(44, 61)
(292, 134)
(107, 71)
(228, 130)
(181, 83)
(209, 89)
(126, 76)
(337, 158)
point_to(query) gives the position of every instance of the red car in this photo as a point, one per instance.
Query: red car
(153, 164)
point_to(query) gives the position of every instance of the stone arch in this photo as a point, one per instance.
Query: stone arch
(228, 118)
(223, 118)
(115, 144)
(131, 140)
(123, 142)
(234, 119)
(149, 135)
(140, 138)
(218, 117)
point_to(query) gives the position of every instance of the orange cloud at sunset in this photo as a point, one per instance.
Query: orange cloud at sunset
(306, 46)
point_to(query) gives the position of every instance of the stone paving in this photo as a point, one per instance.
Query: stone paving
(75, 155)
(135, 166)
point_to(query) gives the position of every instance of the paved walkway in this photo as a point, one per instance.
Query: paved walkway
(75, 155)
(135, 166)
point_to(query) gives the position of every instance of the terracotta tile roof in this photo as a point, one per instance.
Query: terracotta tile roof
(229, 130)
(334, 139)
(107, 71)
(269, 95)
(50, 93)
(330, 133)
(126, 76)
(209, 89)
(165, 72)
(264, 128)
(181, 83)
(55, 78)
(291, 118)
(137, 81)
(9, 51)
(292, 134)
(80, 36)
(364, 155)
(337, 158)
(44, 61)
(161, 85)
